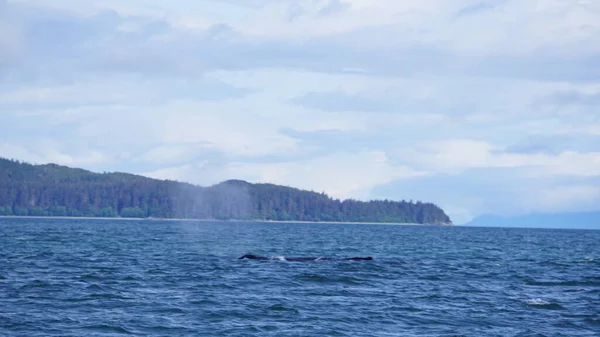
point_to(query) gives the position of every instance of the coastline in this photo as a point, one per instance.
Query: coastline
(217, 220)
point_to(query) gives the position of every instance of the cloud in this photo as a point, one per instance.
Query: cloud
(502, 191)
(113, 90)
(566, 198)
(564, 98)
(49, 151)
(367, 99)
(62, 47)
(341, 102)
(343, 175)
(393, 40)
(458, 155)
(228, 132)
(175, 153)
(334, 6)
(476, 8)
(556, 144)
(11, 38)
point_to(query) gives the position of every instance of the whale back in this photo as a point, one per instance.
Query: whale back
(253, 257)
(257, 257)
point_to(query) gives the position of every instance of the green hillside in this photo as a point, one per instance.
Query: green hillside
(53, 190)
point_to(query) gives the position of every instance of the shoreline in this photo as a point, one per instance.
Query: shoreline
(217, 220)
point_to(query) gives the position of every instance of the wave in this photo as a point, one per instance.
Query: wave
(325, 279)
(543, 304)
(564, 283)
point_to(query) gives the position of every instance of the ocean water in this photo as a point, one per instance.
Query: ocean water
(155, 278)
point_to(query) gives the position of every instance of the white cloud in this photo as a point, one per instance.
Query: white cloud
(172, 153)
(11, 36)
(178, 173)
(503, 27)
(49, 151)
(565, 198)
(346, 97)
(512, 27)
(234, 133)
(58, 94)
(8, 150)
(342, 175)
(459, 155)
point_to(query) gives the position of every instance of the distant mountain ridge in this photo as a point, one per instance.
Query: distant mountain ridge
(54, 190)
(581, 220)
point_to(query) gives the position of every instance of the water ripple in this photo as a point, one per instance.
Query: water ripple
(115, 278)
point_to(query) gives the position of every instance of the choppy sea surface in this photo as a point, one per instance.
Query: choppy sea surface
(154, 278)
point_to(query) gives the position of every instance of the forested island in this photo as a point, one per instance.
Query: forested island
(54, 190)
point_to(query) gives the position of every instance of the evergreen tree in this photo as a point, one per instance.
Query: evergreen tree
(53, 190)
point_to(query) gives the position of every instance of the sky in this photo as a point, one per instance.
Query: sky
(482, 107)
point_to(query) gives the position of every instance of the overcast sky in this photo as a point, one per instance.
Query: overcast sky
(489, 106)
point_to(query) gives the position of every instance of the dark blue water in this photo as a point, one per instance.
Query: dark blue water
(150, 278)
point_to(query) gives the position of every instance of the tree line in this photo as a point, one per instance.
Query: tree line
(53, 190)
